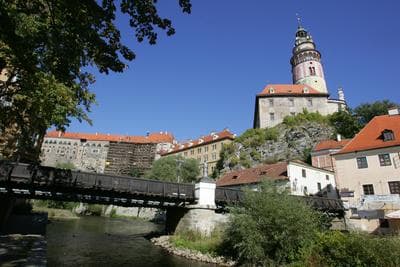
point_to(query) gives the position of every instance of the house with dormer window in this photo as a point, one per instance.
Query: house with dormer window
(368, 170)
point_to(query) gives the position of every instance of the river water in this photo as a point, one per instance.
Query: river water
(99, 241)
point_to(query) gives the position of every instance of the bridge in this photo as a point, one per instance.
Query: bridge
(201, 200)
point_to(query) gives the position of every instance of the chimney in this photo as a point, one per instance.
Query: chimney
(338, 137)
(59, 133)
(393, 111)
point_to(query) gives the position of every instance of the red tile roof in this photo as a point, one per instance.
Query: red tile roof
(370, 137)
(277, 171)
(330, 144)
(162, 137)
(289, 89)
(213, 137)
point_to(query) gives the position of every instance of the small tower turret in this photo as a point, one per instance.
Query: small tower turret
(306, 62)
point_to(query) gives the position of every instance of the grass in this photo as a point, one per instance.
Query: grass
(195, 241)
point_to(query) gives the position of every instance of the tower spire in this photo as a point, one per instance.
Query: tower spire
(298, 20)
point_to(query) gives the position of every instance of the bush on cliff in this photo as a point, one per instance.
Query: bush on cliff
(270, 228)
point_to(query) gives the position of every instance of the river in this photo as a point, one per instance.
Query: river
(99, 241)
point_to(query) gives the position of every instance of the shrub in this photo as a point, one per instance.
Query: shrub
(334, 248)
(94, 209)
(271, 228)
(305, 116)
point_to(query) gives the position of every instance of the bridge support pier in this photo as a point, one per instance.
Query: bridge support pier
(200, 217)
(6, 206)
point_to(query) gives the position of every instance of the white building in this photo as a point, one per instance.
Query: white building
(301, 178)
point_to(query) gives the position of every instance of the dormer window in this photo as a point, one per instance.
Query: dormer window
(271, 90)
(305, 90)
(235, 177)
(387, 135)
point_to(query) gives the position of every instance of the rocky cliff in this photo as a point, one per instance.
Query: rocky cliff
(283, 142)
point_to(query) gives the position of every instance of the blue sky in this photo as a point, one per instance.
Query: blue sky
(206, 76)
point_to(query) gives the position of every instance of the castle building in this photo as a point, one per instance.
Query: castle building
(205, 149)
(308, 91)
(104, 153)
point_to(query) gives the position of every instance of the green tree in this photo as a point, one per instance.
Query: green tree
(50, 50)
(271, 228)
(367, 111)
(169, 168)
(345, 123)
(65, 165)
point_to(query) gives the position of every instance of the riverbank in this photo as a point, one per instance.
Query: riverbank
(56, 213)
(165, 243)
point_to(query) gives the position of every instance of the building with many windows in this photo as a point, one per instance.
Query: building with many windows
(368, 171)
(205, 149)
(104, 153)
(308, 91)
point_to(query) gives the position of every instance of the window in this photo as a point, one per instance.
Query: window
(206, 149)
(362, 163)
(368, 189)
(312, 70)
(329, 188)
(199, 150)
(214, 146)
(272, 116)
(293, 114)
(387, 135)
(271, 102)
(214, 156)
(309, 102)
(303, 173)
(291, 102)
(305, 190)
(192, 152)
(185, 153)
(205, 158)
(327, 177)
(384, 160)
(394, 187)
(319, 186)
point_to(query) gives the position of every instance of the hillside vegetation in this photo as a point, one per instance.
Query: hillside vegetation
(292, 139)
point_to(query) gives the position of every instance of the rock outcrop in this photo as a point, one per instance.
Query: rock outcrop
(282, 142)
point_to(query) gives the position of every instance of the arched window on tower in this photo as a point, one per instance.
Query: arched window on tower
(312, 70)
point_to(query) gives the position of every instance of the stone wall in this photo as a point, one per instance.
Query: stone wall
(204, 221)
(282, 107)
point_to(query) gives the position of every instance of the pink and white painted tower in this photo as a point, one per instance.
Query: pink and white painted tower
(306, 62)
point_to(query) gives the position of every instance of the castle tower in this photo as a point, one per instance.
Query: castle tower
(306, 62)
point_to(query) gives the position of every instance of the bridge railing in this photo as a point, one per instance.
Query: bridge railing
(228, 195)
(49, 177)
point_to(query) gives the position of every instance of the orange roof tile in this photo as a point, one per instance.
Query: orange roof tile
(370, 137)
(330, 144)
(225, 134)
(289, 89)
(277, 171)
(151, 138)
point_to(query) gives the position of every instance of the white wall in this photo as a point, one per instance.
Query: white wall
(350, 177)
(313, 177)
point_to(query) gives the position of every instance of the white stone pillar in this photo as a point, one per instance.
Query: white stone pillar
(204, 192)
